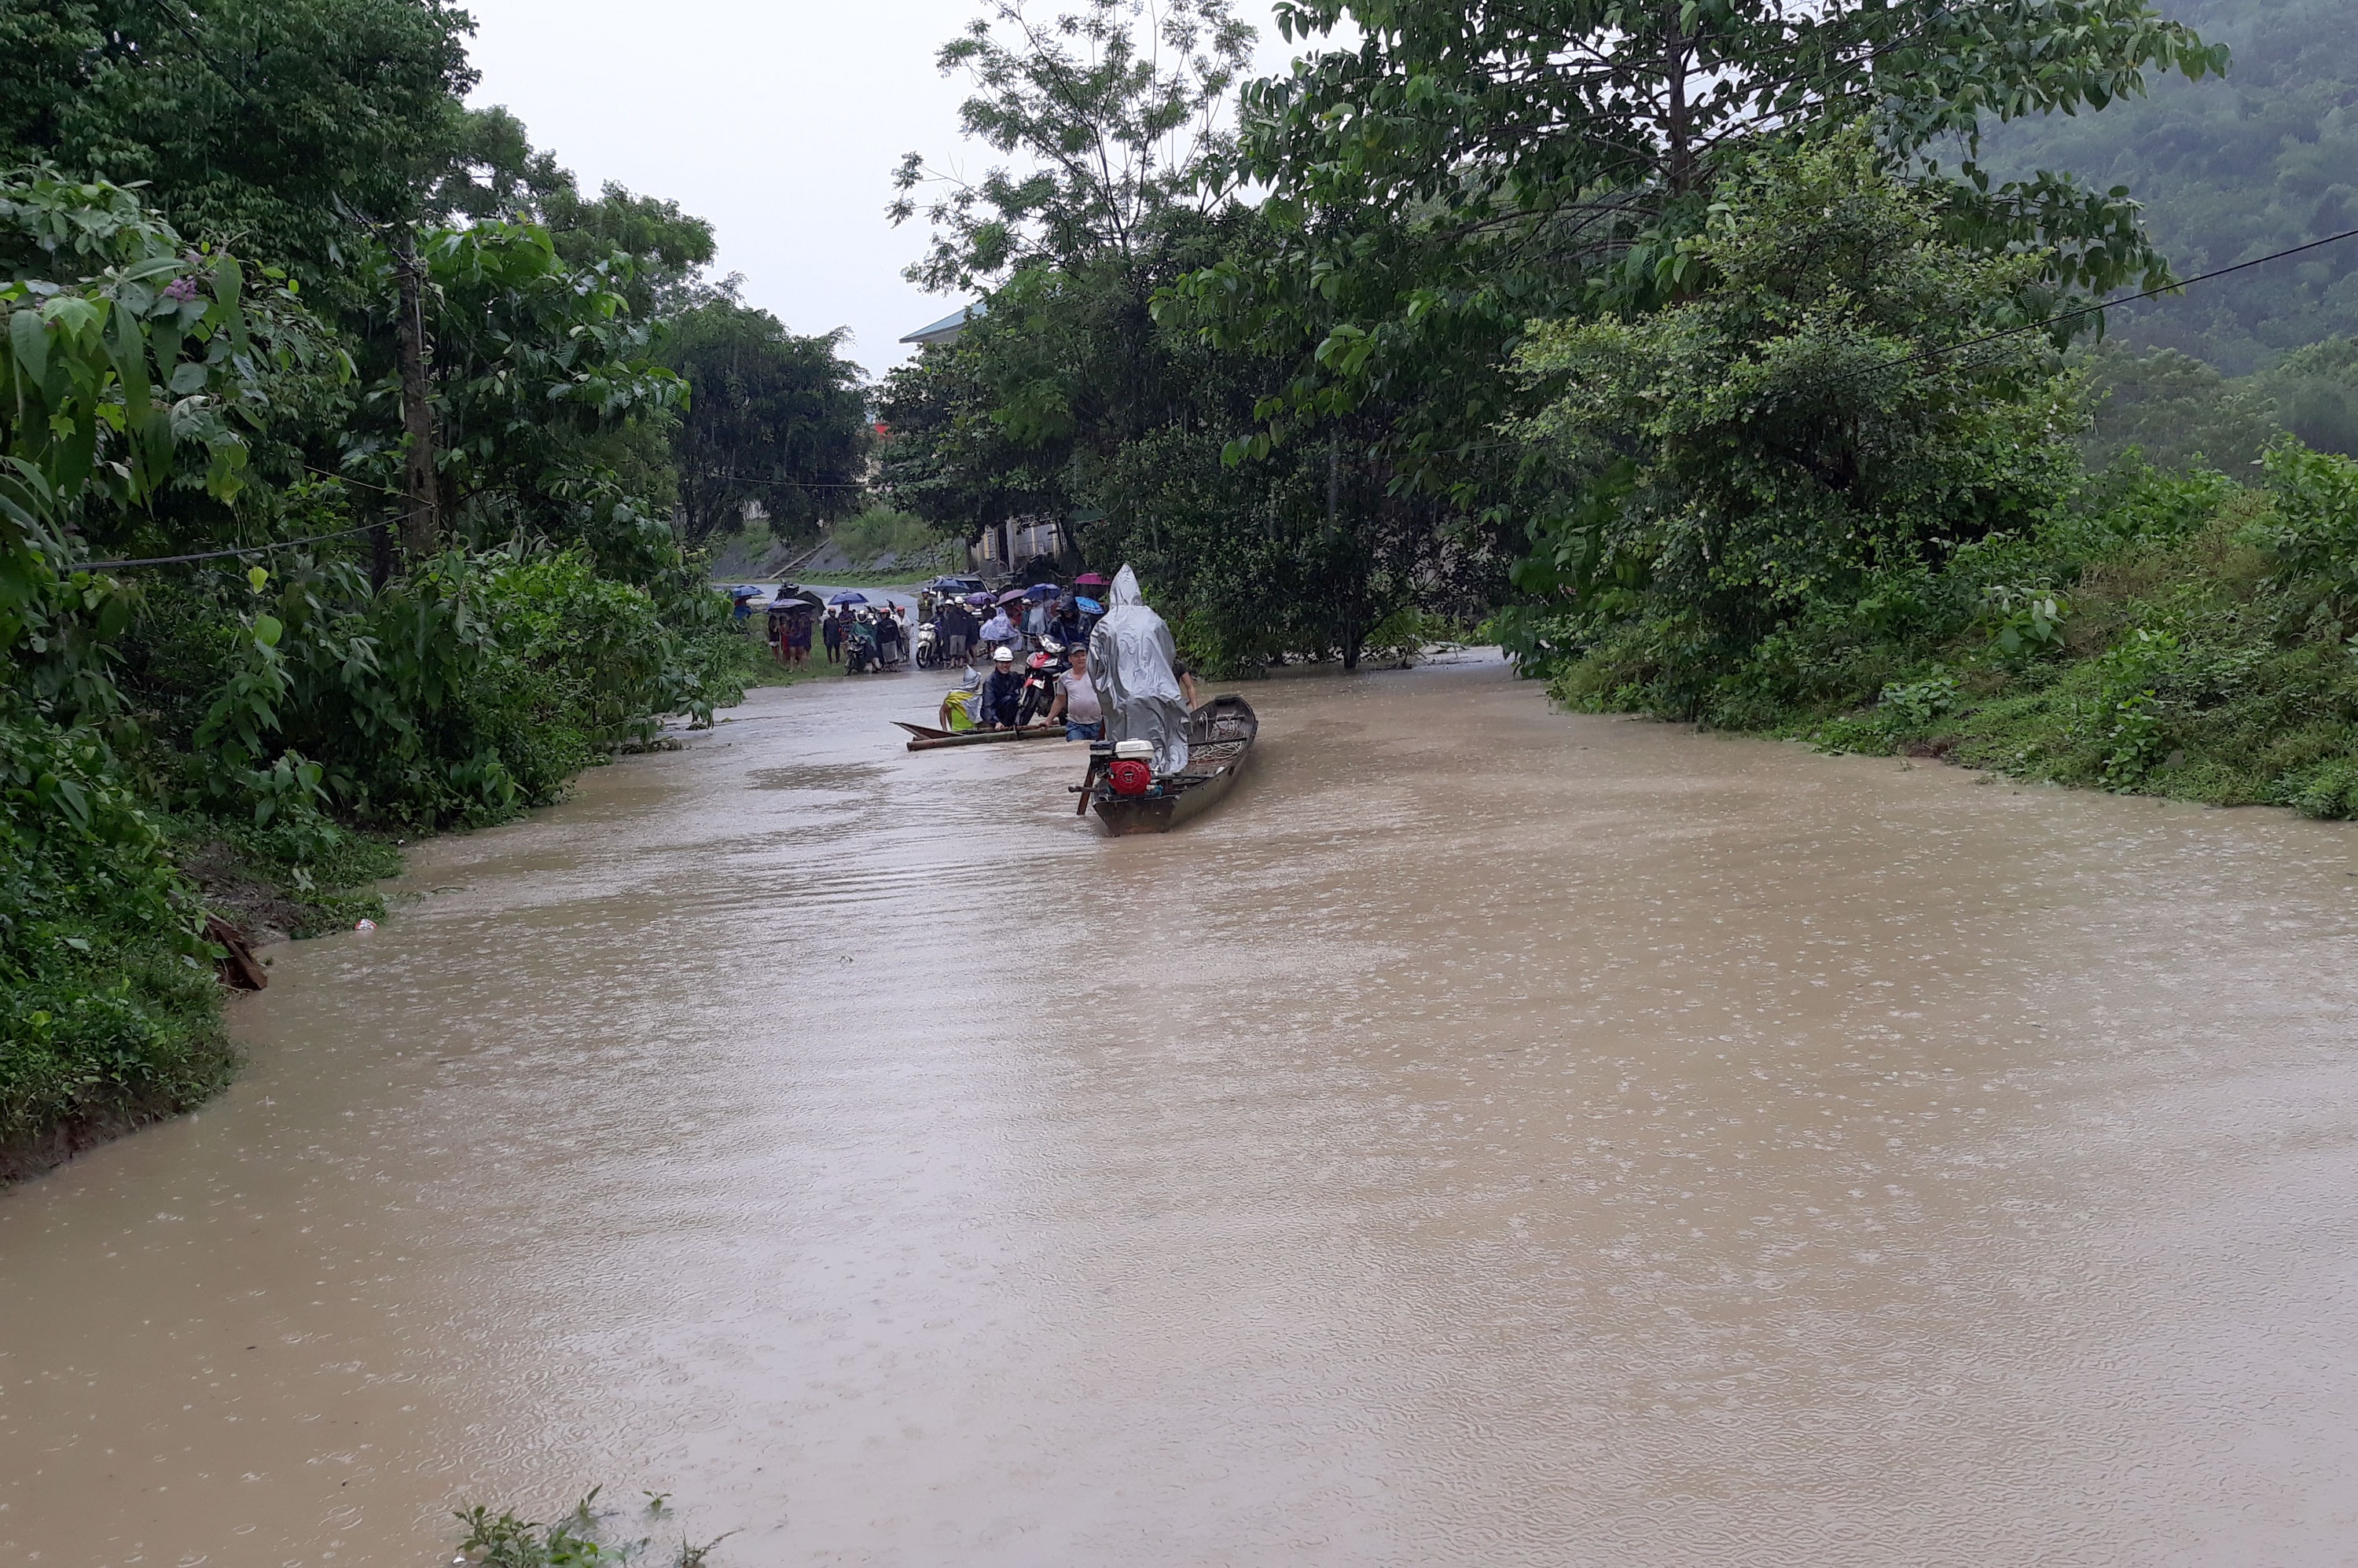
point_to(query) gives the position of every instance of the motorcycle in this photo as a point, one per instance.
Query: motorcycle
(929, 646)
(859, 649)
(1041, 671)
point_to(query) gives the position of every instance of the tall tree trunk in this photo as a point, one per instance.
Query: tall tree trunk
(380, 554)
(421, 521)
(1679, 127)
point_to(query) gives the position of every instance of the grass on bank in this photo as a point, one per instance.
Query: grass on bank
(508, 1539)
(2181, 636)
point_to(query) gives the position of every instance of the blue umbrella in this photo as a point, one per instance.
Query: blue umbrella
(1090, 607)
(848, 596)
(1042, 590)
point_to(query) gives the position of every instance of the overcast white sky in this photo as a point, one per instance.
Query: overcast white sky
(779, 120)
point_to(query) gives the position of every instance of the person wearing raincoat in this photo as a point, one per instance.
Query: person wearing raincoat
(1130, 659)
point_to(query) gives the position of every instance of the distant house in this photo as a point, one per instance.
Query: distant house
(947, 330)
(1006, 546)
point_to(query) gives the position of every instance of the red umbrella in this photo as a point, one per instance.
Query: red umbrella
(1090, 580)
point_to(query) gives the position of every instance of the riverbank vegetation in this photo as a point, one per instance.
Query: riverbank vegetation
(585, 1538)
(1819, 503)
(350, 455)
(1740, 365)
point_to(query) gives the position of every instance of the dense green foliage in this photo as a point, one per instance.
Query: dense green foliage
(2175, 409)
(2201, 647)
(1788, 455)
(777, 419)
(1293, 413)
(271, 298)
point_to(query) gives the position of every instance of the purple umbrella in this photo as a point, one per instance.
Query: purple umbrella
(1012, 596)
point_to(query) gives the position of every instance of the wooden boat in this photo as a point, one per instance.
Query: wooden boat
(1220, 736)
(925, 738)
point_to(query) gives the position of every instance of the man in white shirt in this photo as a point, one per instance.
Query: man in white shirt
(1077, 701)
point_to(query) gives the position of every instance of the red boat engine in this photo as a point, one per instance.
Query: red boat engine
(1128, 776)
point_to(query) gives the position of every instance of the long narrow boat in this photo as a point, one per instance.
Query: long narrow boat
(1220, 736)
(925, 738)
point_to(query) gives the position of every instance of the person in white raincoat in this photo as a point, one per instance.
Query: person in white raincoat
(1130, 656)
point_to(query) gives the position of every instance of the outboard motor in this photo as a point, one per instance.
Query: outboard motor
(1131, 772)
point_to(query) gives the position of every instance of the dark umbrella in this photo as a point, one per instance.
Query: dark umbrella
(978, 600)
(850, 596)
(1090, 580)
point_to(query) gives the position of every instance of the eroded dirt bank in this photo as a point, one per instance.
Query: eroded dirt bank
(1492, 1137)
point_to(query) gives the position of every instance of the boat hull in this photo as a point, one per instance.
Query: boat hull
(1220, 737)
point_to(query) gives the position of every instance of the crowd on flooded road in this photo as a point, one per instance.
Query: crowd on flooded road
(1019, 656)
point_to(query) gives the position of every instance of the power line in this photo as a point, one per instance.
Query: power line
(2127, 300)
(797, 484)
(217, 555)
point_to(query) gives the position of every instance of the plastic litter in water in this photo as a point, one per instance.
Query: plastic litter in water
(366, 926)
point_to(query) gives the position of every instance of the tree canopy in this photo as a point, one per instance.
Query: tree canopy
(774, 419)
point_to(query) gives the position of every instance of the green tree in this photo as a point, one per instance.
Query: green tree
(497, 173)
(265, 123)
(130, 365)
(1807, 439)
(1458, 170)
(2174, 409)
(773, 417)
(1069, 397)
(2315, 391)
(1117, 110)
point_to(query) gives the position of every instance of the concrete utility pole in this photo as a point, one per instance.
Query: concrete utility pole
(421, 521)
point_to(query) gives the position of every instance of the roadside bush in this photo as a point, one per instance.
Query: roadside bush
(2313, 534)
(105, 988)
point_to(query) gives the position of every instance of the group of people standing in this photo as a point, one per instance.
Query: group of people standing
(790, 625)
(794, 625)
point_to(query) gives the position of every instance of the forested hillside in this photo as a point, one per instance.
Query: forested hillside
(2229, 168)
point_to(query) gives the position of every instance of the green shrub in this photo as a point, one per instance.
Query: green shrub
(106, 991)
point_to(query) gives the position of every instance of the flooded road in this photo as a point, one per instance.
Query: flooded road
(1491, 1138)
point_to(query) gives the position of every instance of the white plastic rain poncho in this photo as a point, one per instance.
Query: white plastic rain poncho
(1130, 656)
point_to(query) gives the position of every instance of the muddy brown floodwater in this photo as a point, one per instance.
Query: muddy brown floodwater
(1492, 1137)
